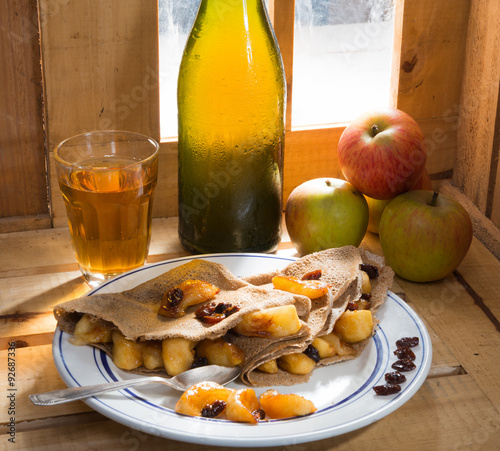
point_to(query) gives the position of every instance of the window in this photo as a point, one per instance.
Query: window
(341, 58)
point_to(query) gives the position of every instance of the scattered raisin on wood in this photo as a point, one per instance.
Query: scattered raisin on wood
(313, 275)
(387, 389)
(213, 410)
(404, 352)
(371, 270)
(395, 377)
(312, 353)
(410, 342)
(403, 365)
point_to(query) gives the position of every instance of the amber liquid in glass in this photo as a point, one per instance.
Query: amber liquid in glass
(109, 214)
(231, 102)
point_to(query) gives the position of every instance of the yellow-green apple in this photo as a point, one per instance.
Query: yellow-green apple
(375, 209)
(325, 212)
(382, 153)
(424, 235)
(376, 206)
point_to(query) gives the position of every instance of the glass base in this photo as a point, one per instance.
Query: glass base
(95, 279)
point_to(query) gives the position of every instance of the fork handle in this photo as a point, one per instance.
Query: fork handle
(73, 394)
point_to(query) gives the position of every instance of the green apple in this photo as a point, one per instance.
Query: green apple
(324, 213)
(424, 235)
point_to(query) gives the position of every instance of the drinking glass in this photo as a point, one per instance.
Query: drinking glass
(107, 179)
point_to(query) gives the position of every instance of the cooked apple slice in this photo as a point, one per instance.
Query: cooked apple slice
(270, 367)
(366, 286)
(298, 363)
(127, 354)
(339, 346)
(152, 354)
(243, 406)
(278, 405)
(220, 352)
(313, 289)
(90, 330)
(178, 355)
(354, 325)
(191, 292)
(325, 348)
(279, 321)
(204, 399)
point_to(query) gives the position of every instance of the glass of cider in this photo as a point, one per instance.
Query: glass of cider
(107, 179)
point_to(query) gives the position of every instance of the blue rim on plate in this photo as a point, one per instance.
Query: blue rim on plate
(342, 392)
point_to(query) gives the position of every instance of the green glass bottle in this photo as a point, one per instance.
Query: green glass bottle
(231, 98)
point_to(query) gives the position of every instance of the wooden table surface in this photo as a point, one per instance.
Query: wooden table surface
(456, 408)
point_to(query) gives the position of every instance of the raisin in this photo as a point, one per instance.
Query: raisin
(387, 389)
(312, 353)
(213, 410)
(366, 296)
(371, 270)
(352, 306)
(395, 377)
(410, 342)
(404, 352)
(199, 361)
(174, 297)
(313, 275)
(403, 365)
(214, 313)
(259, 414)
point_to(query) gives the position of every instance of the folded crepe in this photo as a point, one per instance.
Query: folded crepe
(341, 269)
(135, 312)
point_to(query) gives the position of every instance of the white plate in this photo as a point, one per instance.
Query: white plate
(342, 393)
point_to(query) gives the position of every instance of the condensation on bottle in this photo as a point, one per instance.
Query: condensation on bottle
(231, 116)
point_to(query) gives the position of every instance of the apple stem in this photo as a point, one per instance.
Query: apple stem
(375, 129)
(434, 198)
(328, 183)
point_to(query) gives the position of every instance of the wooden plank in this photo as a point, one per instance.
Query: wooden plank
(446, 413)
(100, 65)
(282, 15)
(478, 108)
(23, 186)
(430, 60)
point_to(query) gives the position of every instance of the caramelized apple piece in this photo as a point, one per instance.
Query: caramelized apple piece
(341, 348)
(366, 286)
(151, 354)
(178, 355)
(313, 289)
(325, 348)
(127, 354)
(191, 292)
(201, 396)
(298, 363)
(243, 406)
(271, 322)
(270, 367)
(354, 325)
(220, 352)
(278, 405)
(90, 330)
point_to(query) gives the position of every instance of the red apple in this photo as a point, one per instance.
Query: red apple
(423, 182)
(324, 213)
(424, 235)
(382, 153)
